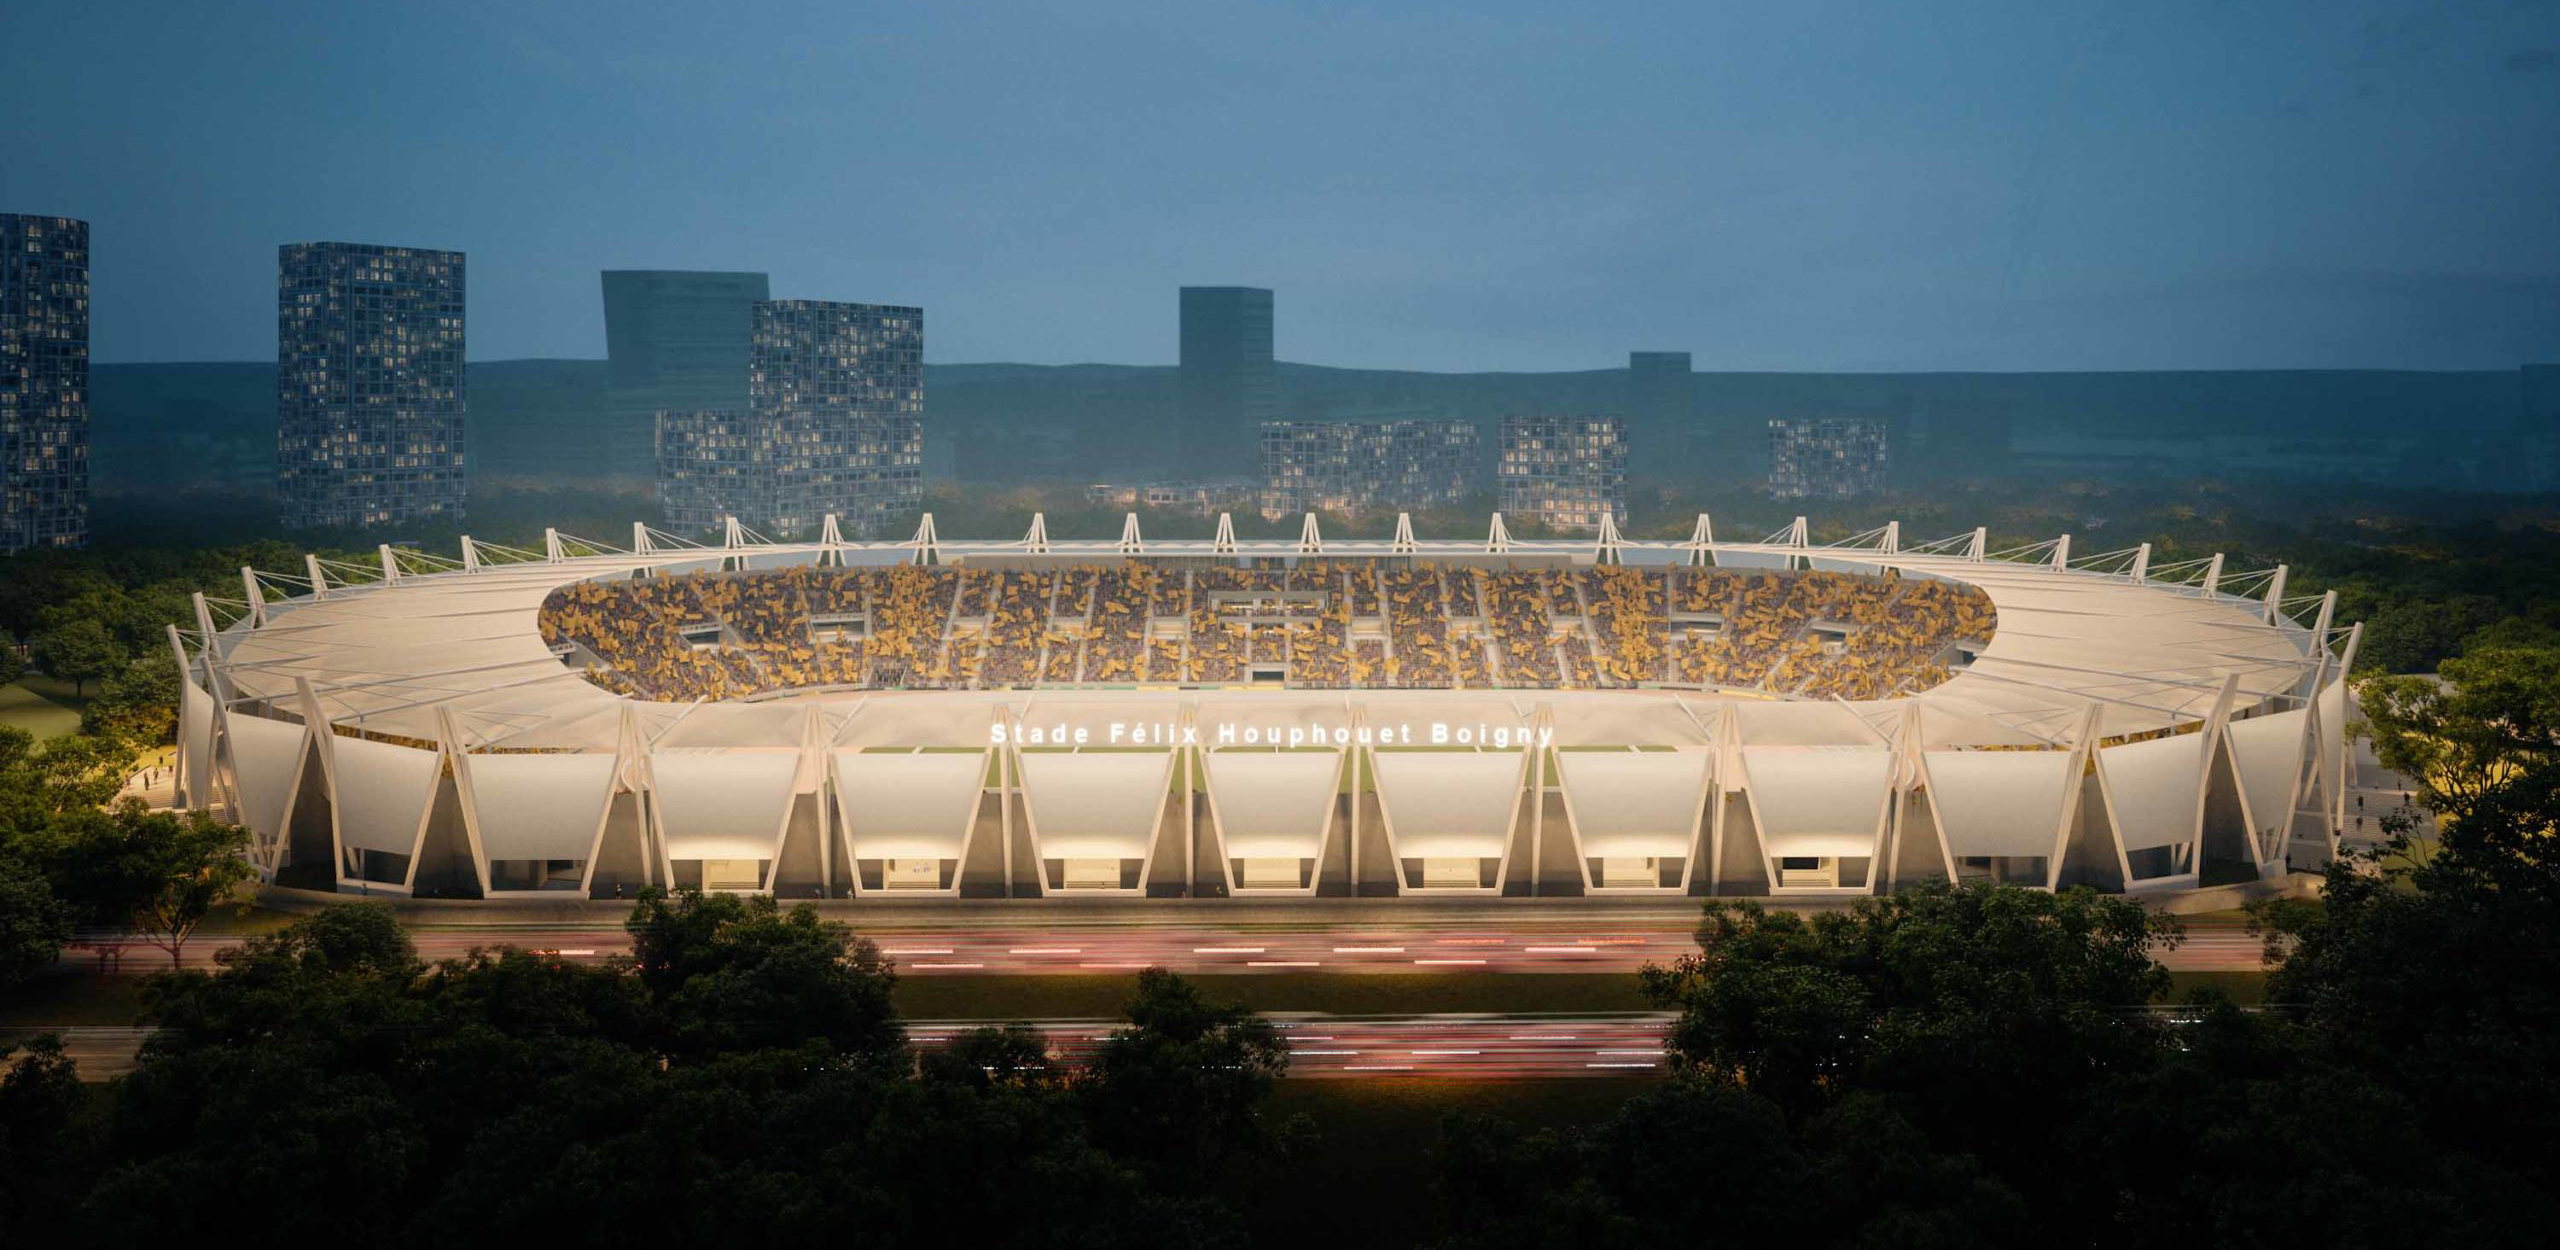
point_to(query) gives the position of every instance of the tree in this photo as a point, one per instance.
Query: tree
(34, 925)
(1182, 1087)
(2192, 1149)
(67, 774)
(2481, 744)
(2430, 974)
(180, 867)
(78, 650)
(1930, 999)
(138, 701)
(1012, 1056)
(13, 662)
(511, 1096)
(732, 973)
(1699, 1159)
(45, 1137)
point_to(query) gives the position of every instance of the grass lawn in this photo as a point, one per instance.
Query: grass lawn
(1081, 998)
(41, 706)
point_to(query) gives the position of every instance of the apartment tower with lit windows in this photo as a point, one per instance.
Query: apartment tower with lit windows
(44, 382)
(369, 388)
(1566, 472)
(1826, 457)
(1354, 468)
(834, 423)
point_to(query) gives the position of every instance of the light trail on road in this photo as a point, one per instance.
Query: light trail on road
(1445, 1046)
(1518, 942)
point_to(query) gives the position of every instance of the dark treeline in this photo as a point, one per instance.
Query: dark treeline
(742, 1078)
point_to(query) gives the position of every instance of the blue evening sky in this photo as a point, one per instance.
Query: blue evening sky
(1781, 184)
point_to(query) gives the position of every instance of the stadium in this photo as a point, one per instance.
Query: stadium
(1316, 717)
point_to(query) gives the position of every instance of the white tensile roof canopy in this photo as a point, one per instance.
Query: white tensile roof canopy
(393, 658)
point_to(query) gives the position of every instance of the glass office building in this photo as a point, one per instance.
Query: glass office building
(1228, 385)
(675, 340)
(1566, 472)
(834, 423)
(1356, 467)
(369, 388)
(44, 382)
(1825, 457)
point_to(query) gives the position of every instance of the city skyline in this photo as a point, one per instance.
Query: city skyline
(2061, 189)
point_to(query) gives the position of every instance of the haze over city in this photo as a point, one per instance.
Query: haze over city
(1197, 624)
(1493, 186)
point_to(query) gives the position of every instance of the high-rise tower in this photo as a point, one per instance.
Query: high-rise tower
(369, 398)
(44, 382)
(1228, 386)
(834, 423)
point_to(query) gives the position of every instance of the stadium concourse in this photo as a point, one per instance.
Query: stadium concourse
(1312, 717)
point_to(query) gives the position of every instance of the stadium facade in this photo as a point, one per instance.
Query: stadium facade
(513, 723)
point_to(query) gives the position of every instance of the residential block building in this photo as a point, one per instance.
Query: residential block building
(1356, 467)
(369, 383)
(44, 382)
(834, 423)
(1566, 472)
(1826, 457)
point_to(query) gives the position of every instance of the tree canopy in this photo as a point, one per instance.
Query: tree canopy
(741, 1078)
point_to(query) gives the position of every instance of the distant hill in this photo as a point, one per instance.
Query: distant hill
(178, 426)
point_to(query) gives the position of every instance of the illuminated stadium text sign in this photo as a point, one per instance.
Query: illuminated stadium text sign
(1231, 734)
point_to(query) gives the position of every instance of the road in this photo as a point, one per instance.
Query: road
(1099, 942)
(1476, 1047)
(1126, 939)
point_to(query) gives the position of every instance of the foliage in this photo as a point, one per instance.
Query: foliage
(45, 1124)
(1012, 1056)
(2431, 973)
(1182, 1087)
(2481, 742)
(138, 702)
(730, 973)
(49, 805)
(740, 1079)
(78, 650)
(170, 869)
(34, 925)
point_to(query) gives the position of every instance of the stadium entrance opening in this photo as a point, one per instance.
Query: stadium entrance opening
(733, 874)
(1271, 873)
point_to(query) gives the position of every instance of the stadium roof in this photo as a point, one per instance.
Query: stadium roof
(427, 638)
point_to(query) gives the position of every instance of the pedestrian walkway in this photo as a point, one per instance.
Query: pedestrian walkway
(156, 785)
